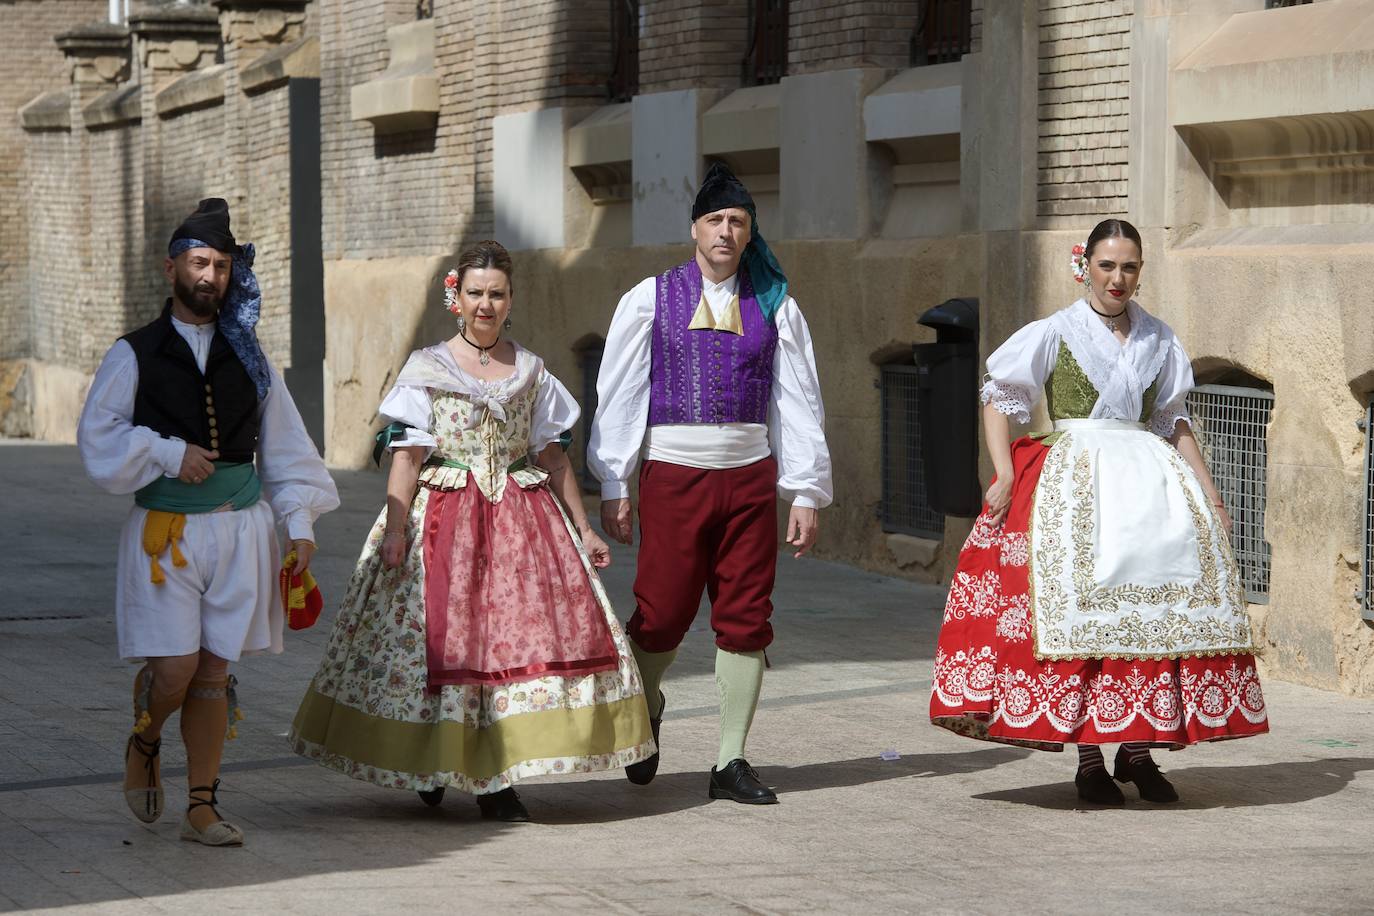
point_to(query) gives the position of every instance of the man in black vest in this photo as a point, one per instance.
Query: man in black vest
(188, 415)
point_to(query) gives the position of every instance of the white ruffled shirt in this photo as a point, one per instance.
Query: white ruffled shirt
(1121, 373)
(795, 432)
(555, 409)
(122, 458)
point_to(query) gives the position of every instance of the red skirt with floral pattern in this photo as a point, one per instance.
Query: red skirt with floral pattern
(988, 683)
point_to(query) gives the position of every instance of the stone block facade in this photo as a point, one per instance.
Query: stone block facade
(888, 190)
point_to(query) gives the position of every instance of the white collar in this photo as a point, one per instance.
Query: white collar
(725, 287)
(186, 327)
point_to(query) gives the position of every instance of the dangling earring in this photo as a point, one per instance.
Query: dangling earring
(507, 321)
(462, 324)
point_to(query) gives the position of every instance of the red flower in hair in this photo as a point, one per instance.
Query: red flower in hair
(451, 281)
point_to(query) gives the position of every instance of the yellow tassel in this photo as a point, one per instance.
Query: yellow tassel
(233, 733)
(238, 714)
(144, 720)
(161, 529)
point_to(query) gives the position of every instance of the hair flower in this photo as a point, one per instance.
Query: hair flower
(1079, 261)
(451, 292)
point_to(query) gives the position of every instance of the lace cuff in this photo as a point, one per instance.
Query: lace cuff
(1012, 400)
(1164, 420)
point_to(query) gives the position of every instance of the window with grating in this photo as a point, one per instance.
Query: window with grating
(766, 61)
(590, 359)
(1367, 563)
(1231, 424)
(944, 32)
(1282, 4)
(905, 507)
(624, 81)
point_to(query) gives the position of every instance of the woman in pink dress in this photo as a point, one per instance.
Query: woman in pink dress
(475, 645)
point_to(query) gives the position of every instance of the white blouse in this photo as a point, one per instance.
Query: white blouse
(1121, 373)
(409, 402)
(122, 458)
(795, 433)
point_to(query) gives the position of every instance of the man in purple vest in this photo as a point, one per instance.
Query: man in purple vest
(709, 376)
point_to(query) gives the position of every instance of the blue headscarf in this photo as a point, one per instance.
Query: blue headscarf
(722, 189)
(242, 306)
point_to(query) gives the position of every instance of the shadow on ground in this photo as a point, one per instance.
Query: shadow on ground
(1203, 788)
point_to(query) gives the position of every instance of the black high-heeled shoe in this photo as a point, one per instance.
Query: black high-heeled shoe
(1148, 779)
(1096, 787)
(431, 797)
(503, 806)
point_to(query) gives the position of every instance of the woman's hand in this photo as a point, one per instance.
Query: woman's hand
(597, 551)
(393, 549)
(999, 498)
(1225, 518)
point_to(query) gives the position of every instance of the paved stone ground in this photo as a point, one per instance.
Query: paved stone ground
(1275, 824)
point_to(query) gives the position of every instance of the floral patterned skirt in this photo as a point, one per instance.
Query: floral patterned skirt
(374, 710)
(988, 684)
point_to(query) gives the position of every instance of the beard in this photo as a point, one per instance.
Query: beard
(202, 299)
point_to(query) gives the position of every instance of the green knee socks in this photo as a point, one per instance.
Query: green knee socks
(652, 665)
(739, 676)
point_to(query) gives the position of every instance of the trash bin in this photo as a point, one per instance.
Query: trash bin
(947, 408)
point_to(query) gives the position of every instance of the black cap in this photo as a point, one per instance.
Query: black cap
(721, 189)
(209, 224)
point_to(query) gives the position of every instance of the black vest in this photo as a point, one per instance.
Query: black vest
(214, 410)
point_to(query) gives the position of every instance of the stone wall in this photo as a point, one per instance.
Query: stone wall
(1084, 107)
(825, 35)
(30, 58)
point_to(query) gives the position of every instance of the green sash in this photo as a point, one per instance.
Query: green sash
(232, 484)
(519, 464)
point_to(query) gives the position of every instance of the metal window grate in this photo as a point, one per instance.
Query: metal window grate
(1367, 563)
(1230, 424)
(905, 507)
(944, 32)
(624, 81)
(1284, 4)
(766, 61)
(590, 359)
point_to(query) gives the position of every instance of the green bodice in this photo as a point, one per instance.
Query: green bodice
(1070, 396)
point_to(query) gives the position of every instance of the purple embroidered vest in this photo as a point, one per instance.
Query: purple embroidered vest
(708, 376)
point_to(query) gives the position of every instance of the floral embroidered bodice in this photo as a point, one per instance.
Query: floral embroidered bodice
(1070, 395)
(474, 445)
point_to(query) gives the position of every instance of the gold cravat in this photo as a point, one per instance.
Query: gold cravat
(704, 320)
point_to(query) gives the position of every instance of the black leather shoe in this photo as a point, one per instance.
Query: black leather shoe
(1097, 788)
(643, 772)
(503, 806)
(1147, 778)
(431, 797)
(740, 782)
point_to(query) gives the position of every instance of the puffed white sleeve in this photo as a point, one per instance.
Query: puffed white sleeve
(1171, 400)
(622, 391)
(411, 407)
(1017, 370)
(555, 412)
(796, 417)
(120, 457)
(294, 479)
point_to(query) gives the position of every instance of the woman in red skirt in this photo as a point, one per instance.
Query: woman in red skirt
(1097, 599)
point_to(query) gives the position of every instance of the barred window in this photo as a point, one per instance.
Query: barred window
(624, 82)
(1231, 424)
(766, 61)
(589, 359)
(1283, 4)
(1367, 563)
(905, 507)
(944, 32)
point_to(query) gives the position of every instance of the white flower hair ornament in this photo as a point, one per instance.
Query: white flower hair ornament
(1079, 261)
(451, 292)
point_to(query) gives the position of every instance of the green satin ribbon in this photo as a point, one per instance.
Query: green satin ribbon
(233, 484)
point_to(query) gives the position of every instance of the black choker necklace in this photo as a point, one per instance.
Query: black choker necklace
(1111, 319)
(484, 359)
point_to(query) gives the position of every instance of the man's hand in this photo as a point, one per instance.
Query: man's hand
(197, 464)
(304, 551)
(615, 520)
(802, 526)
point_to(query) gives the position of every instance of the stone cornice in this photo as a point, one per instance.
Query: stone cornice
(198, 89)
(300, 60)
(116, 107)
(50, 111)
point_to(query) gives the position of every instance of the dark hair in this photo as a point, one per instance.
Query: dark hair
(486, 255)
(1111, 229)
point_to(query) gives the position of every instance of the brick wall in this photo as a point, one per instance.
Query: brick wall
(267, 187)
(691, 45)
(1084, 107)
(29, 64)
(829, 35)
(124, 282)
